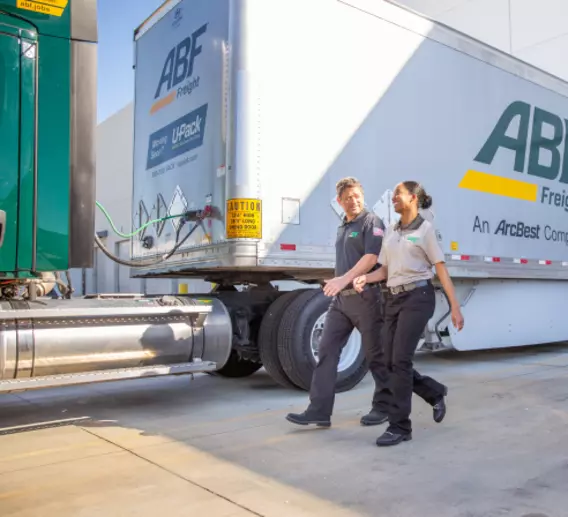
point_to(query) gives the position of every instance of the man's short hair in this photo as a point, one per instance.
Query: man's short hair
(346, 183)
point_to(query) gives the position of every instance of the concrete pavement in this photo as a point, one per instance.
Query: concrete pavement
(221, 447)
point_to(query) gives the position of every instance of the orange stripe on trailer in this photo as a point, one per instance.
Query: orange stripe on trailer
(168, 99)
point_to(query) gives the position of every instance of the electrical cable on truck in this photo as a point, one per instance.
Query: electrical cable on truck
(138, 230)
(197, 216)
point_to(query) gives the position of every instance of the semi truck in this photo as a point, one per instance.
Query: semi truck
(246, 114)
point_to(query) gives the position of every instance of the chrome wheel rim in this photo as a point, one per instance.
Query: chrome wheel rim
(350, 352)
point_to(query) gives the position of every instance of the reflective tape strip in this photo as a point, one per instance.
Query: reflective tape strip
(505, 260)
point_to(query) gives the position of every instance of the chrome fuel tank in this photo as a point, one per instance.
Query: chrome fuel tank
(62, 337)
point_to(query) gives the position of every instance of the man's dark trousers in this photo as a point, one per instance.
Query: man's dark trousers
(363, 311)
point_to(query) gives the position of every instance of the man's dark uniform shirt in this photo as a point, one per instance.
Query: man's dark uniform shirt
(361, 236)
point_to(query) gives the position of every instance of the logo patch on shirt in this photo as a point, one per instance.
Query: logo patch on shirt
(412, 239)
(354, 234)
(378, 232)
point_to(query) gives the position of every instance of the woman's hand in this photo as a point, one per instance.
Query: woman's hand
(457, 318)
(447, 284)
(359, 283)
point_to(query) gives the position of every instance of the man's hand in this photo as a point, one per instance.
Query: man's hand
(359, 283)
(333, 286)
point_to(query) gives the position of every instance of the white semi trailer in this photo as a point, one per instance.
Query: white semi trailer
(252, 110)
(247, 112)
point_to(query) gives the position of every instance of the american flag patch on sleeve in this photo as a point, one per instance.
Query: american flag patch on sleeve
(378, 232)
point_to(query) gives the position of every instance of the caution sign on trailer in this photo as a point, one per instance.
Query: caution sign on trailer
(244, 219)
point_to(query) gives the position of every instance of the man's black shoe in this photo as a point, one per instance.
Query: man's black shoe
(439, 409)
(389, 438)
(374, 417)
(306, 418)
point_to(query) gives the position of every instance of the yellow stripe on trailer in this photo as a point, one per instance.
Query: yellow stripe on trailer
(499, 186)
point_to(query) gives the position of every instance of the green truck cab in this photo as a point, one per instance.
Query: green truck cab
(47, 135)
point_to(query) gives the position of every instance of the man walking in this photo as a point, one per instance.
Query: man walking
(358, 245)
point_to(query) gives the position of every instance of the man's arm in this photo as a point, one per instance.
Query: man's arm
(379, 275)
(373, 233)
(365, 264)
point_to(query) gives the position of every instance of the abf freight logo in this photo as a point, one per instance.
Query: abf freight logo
(177, 73)
(182, 135)
(545, 157)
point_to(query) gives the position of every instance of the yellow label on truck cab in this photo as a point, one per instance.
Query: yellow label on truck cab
(56, 3)
(51, 7)
(244, 218)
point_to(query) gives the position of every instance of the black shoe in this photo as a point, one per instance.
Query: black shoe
(389, 438)
(439, 409)
(306, 418)
(374, 417)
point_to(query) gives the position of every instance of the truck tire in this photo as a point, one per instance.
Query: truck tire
(295, 336)
(268, 338)
(236, 367)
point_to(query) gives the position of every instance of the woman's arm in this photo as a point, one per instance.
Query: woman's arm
(436, 256)
(379, 275)
(448, 285)
(370, 278)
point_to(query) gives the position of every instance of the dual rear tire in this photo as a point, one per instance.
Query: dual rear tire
(289, 340)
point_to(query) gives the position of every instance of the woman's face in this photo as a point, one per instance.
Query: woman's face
(402, 200)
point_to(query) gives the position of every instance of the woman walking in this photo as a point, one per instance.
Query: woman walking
(409, 252)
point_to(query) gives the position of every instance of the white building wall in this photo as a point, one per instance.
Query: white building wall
(114, 190)
(532, 30)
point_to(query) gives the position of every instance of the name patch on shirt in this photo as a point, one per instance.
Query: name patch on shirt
(353, 234)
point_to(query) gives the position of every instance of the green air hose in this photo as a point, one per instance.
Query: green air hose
(151, 262)
(135, 232)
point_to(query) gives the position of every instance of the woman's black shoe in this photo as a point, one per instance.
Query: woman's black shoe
(439, 409)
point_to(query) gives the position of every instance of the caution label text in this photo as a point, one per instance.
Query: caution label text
(244, 219)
